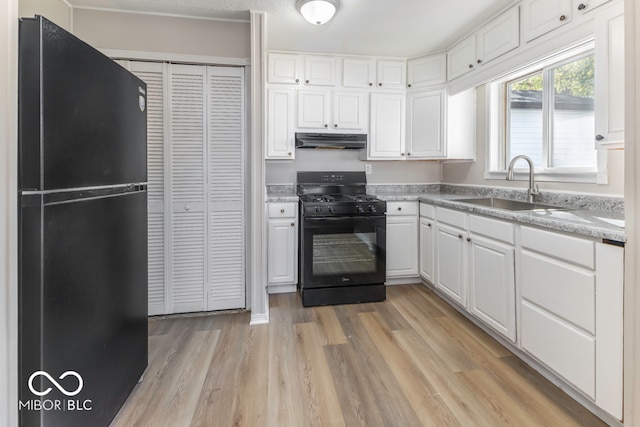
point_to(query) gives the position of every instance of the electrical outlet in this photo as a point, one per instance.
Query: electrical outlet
(367, 168)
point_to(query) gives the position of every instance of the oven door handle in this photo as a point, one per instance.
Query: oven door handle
(342, 218)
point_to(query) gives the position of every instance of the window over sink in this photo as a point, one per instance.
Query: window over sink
(546, 111)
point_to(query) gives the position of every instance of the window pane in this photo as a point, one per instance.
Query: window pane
(573, 115)
(525, 120)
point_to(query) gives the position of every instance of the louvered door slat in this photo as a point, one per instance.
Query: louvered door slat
(226, 188)
(188, 225)
(153, 75)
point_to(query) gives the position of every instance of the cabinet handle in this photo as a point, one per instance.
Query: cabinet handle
(289, 153)
(599, 137)
(402, 154)
(379, 84)
(408, 154)
(306, 81)
(460, 236)
(409, 85)
(582, 6)
(293, 224)
(281, 210)
(479, 61)
(370, 84)
(335, 126)
(326, 125)
(470, 65)
(399, 208)
(297, 80)
(562, 17)
(468, 239)
(429, 224)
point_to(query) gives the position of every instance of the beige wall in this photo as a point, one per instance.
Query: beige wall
(163, 34)
(383, 172)
(56, 11)
(473, 173)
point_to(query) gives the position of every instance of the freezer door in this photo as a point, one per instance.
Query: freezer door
(82, 117)
(83, 304)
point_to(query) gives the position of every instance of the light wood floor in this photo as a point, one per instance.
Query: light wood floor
(410, 361)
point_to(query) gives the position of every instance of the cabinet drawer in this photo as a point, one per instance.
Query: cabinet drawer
(566, 350)
(451, 217)
(282, 210)
(573, 249)
(402, 208)
(563, 289)
(493, 228)
(428, 211)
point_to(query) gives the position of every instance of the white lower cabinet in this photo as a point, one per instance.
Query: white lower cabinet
(282, 247)
(451, 256)
(402, 239)
(427, 242)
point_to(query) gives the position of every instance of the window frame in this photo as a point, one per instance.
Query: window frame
(497, 129)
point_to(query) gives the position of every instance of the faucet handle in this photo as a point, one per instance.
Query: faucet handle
(534, 191)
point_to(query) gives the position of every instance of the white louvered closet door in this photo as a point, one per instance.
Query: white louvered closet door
(153, 75)
(225, 144)
(188, 242)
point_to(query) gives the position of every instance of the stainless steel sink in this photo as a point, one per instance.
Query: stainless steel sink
(511, 205)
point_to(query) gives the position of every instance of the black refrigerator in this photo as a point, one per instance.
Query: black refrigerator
(82, 230)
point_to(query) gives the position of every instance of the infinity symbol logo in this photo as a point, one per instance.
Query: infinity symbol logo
(58, 386)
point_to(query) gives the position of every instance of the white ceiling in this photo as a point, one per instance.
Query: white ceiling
(402, 28)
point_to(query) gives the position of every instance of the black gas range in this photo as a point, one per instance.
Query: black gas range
(342, 239)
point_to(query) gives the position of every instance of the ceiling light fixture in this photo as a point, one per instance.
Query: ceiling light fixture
(317, 12)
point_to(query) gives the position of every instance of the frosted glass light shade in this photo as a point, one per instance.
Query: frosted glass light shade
(317, 12)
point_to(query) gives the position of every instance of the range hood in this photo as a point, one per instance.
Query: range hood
(351, 141)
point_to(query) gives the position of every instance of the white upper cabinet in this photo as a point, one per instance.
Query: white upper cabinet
(313, 109)
(541, 16)
(320, 70)
(387, 130)
(494, 39)
(584, 6)
(609, 78)
(499, 36)
(328, 109)
(284, 68)
(280, 123)
(358, 73)
(350, 111)
(425, 124)
(427, 71)
(391, 74)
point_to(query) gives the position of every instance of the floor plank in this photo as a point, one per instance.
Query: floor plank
(412, 360)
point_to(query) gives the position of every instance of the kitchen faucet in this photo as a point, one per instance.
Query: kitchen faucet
(533, 190)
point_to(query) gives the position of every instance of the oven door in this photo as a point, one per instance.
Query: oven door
(343, 251)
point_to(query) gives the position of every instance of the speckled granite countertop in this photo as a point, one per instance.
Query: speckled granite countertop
(603, 219)
(594, 216)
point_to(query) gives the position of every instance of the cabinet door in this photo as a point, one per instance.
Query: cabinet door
(584, 6)
(284, 68)
(313, 109)
(541, 16)
(391, 74)
(280, 124)
(320, 71)
(427, 71)
(492, 285)
(425, 124)
(450, 263)
(609, 78)
(282, 251)
(427, 244)
(359, 73)
(499, 36)
(387, 126)
(402, 246)
(462, 57)
(350, 110)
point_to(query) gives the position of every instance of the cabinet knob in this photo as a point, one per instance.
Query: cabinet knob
(293, 224)
(562, 17)
(468, 239)
(187, 208)
(370, 84)
(599, 137)
(479, 61)
(429, 224)
(306, 81)
(408, 154)
(399, 208)
(289, 153)
(282, 211)
(409, 85)
(297, 80)
(582, 6)
(335, 126)
(326, 125)
(470, 65)
(379, 84)
(460, 236)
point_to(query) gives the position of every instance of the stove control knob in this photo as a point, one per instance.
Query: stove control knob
(332, 210)
(372, 209)
(318, 210)
(359, 209)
